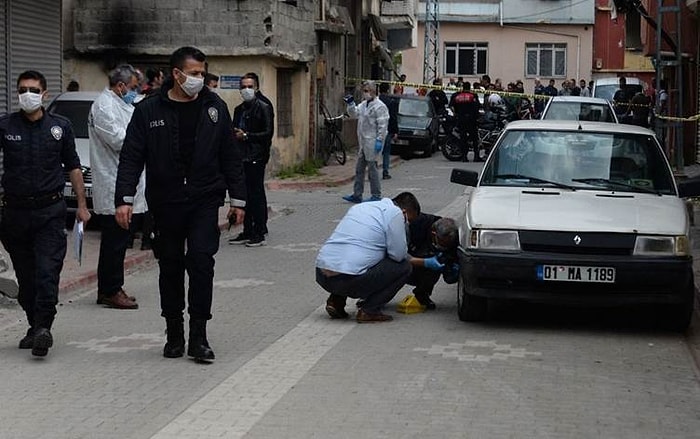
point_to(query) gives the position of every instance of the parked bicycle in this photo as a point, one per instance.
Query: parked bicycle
(331, 143)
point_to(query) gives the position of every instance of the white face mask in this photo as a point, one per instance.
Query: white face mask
(248, 94)
(30, 102)
(192, 85)
(366, 96)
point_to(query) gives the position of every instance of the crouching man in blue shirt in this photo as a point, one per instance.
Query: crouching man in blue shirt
(366, 258)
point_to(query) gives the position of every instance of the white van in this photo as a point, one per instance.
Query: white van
(606, 87)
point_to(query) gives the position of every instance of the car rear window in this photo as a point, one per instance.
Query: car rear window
(608, 91)
(579, 111)
(414, 107)
(77, 112)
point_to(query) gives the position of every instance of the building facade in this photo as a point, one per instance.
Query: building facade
(509, 39)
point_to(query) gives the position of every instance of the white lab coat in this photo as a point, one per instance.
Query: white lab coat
(372, 124)
(109, 117)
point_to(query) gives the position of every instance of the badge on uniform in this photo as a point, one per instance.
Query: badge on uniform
(57, 132)
(213, 114)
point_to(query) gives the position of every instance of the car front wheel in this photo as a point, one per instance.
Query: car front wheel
(470, 308)
(678, 317)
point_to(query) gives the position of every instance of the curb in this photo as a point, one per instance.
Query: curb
(319, 182)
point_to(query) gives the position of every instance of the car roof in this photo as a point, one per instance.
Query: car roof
(575, 125)
(77, 96)
(415, 97)
(632, 80)
(580, 99)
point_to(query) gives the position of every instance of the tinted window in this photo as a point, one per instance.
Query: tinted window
(632, 162)
(414, 107)
(77, 112)
(579, 111)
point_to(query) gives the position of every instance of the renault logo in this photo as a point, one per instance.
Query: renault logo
(577, 240)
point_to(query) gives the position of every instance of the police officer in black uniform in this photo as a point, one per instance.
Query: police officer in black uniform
(183, 136)
(35, 144)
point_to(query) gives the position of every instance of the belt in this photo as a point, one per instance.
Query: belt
(32, 202)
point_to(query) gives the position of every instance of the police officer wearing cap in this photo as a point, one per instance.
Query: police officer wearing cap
(37, 147)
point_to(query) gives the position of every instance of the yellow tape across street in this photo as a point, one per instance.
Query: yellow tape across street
(502, 93)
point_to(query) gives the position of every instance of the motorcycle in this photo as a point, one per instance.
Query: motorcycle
(491, 125)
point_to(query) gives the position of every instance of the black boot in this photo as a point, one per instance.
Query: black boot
(198, 346)
(175, 344)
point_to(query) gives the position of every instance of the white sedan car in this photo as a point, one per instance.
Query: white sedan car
(579, 108)
(576, 212)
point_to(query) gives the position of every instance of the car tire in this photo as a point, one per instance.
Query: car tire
(428, 150)
(470, 308)
(678, 317)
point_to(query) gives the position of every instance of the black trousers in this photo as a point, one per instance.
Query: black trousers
(255, 221)
(110, 265)
(36, 242)
(424, 280)
(187, 238)
(377, 286)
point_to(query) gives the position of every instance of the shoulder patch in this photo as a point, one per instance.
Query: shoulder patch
(213, 114)
(57, 132)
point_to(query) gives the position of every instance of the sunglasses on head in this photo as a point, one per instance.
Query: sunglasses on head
(23, 90)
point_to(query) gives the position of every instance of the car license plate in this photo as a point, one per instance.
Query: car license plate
(575, 273)
(400, 142)
(69, 193)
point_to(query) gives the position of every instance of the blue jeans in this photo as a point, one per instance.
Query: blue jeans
(374, 185)
(386, 154)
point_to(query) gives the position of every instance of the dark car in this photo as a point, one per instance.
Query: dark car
(418, 126)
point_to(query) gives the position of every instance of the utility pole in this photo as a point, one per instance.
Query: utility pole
(431, 46)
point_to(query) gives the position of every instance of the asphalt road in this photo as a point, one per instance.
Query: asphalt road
(284, 369)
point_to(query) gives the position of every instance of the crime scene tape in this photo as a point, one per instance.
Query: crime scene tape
(504, 93)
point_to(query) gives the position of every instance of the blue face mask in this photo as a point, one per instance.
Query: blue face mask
(130, 96)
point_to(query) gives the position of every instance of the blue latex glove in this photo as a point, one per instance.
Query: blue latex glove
(433, 264)
(378, 144)
(348, 99)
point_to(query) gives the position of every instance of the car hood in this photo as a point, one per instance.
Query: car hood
(580, 210)
(413, 122)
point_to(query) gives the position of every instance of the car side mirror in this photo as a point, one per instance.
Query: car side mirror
(464, 177)
(689, 188)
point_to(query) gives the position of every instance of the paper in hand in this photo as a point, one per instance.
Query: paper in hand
(78, 232)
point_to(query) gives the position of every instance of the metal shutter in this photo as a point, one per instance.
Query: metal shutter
(34, 42)
(4, 91)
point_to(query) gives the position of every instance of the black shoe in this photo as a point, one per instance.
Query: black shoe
(426, 302)
(28, 341)
(335, 307)
(242, 238)
(198, 347)
(146, 245)
(386, 177)
(175, 344)
(256, 241)
(42, 342)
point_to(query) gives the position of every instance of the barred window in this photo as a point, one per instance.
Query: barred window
(466, 59)
(545, 60)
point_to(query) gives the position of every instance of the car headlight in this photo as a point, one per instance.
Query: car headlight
(662, 246)
(502, 240)
(420, 132)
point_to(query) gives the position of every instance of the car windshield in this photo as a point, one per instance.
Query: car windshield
(580, 161)
(77, 112)
(414, 107)
(579, 111)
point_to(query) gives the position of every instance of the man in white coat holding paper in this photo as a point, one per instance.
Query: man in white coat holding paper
(109, 116)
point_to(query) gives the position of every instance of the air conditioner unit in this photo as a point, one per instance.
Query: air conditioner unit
(598, 63)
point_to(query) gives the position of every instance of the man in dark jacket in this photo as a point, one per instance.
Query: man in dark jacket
(183, 137)
(252, 129)
(393, 131)
(465, 105)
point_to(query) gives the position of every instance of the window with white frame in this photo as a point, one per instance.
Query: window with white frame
(545, 60)
(466, 59)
